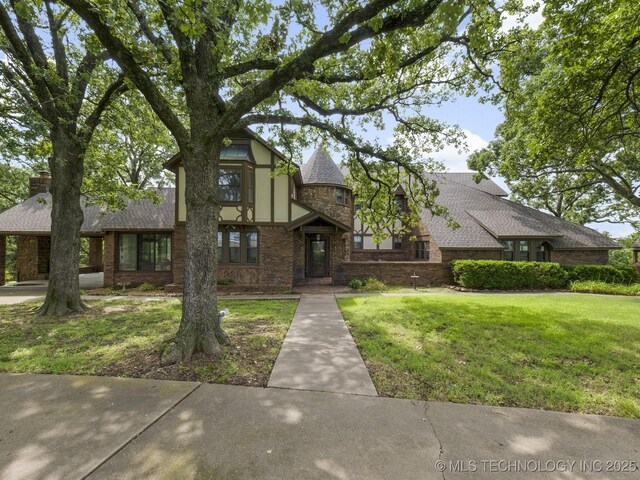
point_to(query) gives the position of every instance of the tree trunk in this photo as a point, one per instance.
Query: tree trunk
(198, 331)
(67, 170)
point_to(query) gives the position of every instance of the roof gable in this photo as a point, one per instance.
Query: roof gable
(484, 217)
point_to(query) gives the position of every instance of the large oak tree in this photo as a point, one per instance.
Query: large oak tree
(570, 141)
(331, 69)
(49, 72)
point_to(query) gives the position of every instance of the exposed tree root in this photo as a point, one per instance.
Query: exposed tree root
(185, 346)
(61, 306)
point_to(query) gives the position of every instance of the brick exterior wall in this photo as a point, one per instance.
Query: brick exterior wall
(399, 273)
(26, 258)
(322, 198)
(448, 255)
(95, 252)
(273, 271)
(580, 257)
(44, 256)
(275, 257)
(113, 277)
(3, 259)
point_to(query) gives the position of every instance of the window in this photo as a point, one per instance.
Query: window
(523, 250)
(357, 242)
(357, 207)
(252, 247)
(397, 243)
(542, 253)
(238, 246)
(508, 251)
(399, 201)
(251, 187)
(128, 252)
(422, 249)
(341, 196)
(234, 247)
(230, 184)
(145, 252)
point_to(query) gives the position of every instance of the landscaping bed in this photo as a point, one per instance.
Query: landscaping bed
(125, 338)
(570, 353)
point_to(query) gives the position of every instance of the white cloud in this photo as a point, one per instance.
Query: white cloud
(456, 160)
(533, 19)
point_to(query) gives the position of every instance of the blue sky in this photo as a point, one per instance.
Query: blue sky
(478, 121)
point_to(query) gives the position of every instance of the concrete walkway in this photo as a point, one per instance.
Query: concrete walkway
(65, 427)
(319, 353)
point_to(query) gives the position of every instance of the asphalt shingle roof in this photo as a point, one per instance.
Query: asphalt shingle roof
(33, 216)
(637, 244)
(144, 214)
(480, 209)
(320, 168)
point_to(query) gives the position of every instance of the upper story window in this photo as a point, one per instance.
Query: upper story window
(342, 196)
(397, 243)
(422, 249)
(230, 184)
(399, 201)
(357, 242)
(251, 186)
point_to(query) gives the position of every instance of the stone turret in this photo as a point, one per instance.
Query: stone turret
(324, 189)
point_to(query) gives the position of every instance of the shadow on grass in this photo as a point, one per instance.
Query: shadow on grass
(505, 354)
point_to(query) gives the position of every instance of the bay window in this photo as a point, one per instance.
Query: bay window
(230, 185)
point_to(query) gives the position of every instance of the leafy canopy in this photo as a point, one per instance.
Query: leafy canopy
(570, 139)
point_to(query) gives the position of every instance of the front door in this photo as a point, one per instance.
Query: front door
(317, 256)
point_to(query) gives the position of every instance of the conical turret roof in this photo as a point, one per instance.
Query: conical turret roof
(320, 168)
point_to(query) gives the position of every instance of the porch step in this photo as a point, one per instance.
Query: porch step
(316, 281)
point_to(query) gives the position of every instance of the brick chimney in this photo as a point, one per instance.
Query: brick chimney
(39, 184)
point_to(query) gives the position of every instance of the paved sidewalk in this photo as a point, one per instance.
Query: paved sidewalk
(319, 353)
(65, 427)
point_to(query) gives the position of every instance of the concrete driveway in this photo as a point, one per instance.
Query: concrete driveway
(64, 427)
(29, 290)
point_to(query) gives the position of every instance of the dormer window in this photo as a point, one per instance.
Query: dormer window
(230, 184)
(399, 201)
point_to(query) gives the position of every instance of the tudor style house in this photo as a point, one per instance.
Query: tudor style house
(278, 231)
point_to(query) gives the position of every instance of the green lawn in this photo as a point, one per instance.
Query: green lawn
(125, 338)
(572, 353)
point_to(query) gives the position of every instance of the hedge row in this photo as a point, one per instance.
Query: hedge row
(502, 275)
(602, 273)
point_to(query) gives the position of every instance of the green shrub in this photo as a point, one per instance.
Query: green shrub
(148, 287)
(356, 283)
(503, 275)
(225, 281)
(602, 273)
(372, 284)
(591, 286)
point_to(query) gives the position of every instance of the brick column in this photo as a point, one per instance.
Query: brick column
(3, 258)
(95, 252)
(26, 258)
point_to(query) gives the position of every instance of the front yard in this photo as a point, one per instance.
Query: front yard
(125, 338)
(572, 353)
